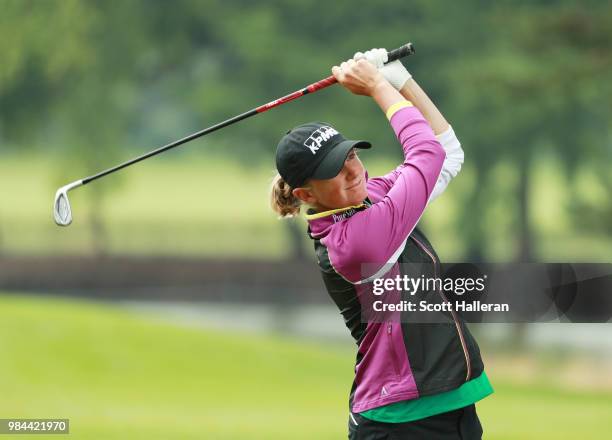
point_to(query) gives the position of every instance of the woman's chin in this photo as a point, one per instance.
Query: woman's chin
(359, 197)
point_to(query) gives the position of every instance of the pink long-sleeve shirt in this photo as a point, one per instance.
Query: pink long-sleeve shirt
(364, 243)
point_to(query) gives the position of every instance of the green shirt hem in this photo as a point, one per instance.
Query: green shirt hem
(427, 406)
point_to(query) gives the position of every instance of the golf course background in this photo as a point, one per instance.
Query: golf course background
(85, 85)
(117, 376)
(190, 204)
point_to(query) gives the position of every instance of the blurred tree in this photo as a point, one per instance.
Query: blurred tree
(66, 81)
(539, 79)
(85, 79)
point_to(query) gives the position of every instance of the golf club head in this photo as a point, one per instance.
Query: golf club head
(61, 207)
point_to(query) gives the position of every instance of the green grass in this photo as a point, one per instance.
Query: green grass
(117, 376)
(533, 412)
(195, 205)
(214, 206)
(167, 207)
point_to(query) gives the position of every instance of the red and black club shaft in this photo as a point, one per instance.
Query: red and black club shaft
(405, 50)
(400, 52)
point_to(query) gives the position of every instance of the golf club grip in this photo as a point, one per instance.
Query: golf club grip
(400, 52)
(395, 54)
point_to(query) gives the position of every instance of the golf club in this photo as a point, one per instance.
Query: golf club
(61, 207)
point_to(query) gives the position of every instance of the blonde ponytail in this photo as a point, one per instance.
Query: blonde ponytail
(282, 200)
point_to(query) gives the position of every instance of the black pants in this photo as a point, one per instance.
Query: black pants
(461, 424)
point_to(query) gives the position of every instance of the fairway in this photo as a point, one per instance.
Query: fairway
(117, 376)
(188, 206)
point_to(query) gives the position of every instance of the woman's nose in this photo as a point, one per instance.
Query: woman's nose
(347, 171)
(351, 169)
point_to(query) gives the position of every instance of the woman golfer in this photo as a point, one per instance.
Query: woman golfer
(413, 379)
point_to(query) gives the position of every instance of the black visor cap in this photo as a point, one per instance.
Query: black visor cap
(332, 163)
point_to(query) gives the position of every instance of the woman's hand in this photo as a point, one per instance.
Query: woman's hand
(360, 77)
(394, 72)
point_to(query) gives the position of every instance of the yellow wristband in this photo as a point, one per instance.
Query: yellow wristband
(397, 106)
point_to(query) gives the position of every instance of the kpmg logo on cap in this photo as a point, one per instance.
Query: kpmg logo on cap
(319, 137)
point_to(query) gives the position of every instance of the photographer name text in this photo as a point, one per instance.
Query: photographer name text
(456, 287)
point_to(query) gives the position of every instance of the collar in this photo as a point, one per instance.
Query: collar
(340, 212)
(319, 223)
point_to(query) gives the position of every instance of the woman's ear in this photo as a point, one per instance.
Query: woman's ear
(305, 195)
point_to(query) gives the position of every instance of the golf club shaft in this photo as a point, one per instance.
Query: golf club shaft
(403, 51)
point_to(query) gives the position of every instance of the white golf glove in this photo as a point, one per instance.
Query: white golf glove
(394, 72)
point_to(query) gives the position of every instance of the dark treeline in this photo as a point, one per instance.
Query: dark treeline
(103, 80)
